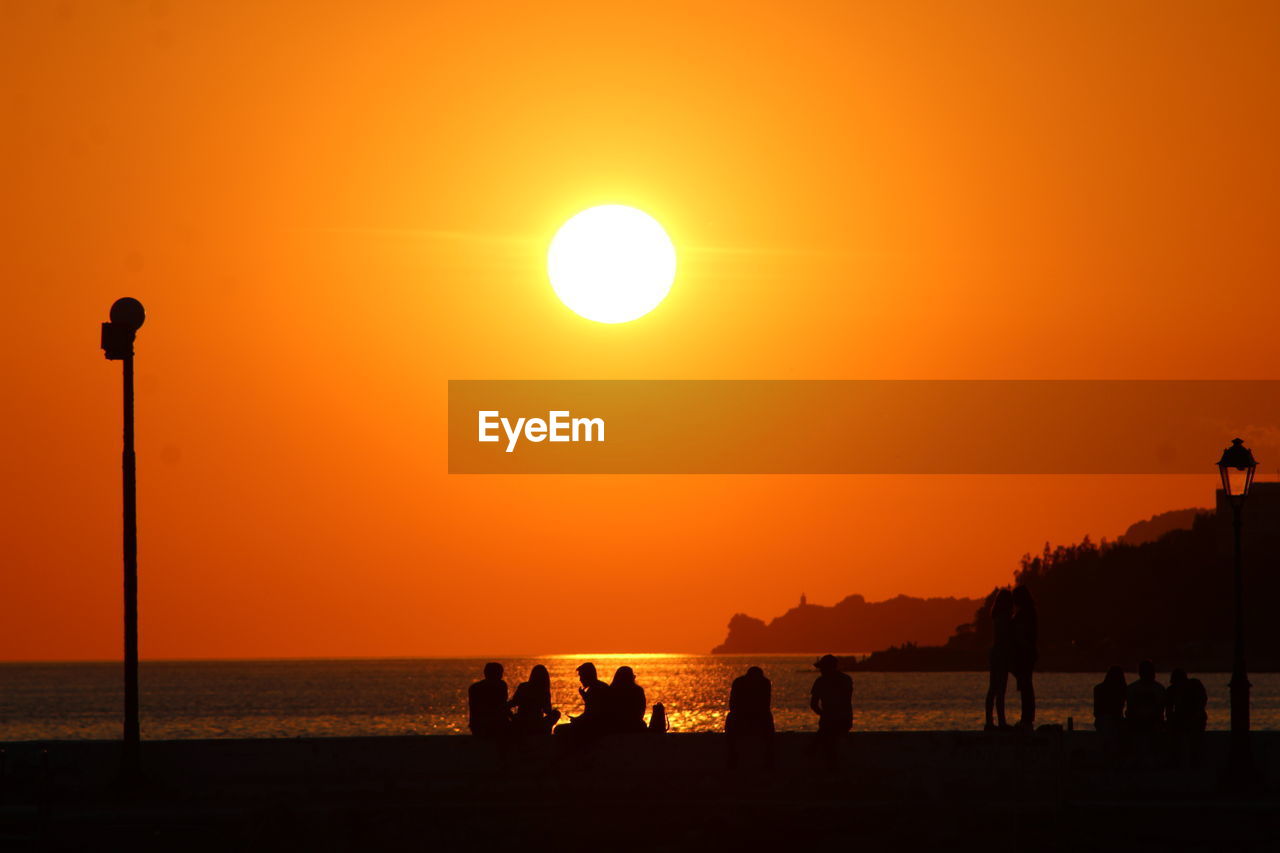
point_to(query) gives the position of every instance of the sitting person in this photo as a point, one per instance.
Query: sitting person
(487, 704)
(658, 724)
(1186, 702)
(532, 703)
(595, 701)
(750, 713)
(626, 702)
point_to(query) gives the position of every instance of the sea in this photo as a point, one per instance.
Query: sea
(342, 698)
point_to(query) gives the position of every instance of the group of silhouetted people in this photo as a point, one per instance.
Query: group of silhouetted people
(1134, 718)
(751, 710)
(618, 707)
(1015, 633)
(1142, 720)
(612, 708)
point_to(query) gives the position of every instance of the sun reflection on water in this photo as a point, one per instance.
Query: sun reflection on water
(300, 698)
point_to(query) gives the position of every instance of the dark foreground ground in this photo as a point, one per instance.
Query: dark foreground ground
(936, 791)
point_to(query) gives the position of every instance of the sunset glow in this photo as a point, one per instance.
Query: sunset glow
(332, 210)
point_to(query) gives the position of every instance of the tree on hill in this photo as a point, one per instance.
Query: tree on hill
(1169, 600)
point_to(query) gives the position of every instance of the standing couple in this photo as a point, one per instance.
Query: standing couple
(1013, 650)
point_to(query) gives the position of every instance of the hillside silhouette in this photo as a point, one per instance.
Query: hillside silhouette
(1168, 599)
(851, 625)
(1141, 532)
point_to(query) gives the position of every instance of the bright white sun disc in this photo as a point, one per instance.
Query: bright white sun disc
(611, 263)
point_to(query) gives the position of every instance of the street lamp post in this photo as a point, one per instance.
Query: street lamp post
(127, 317)
(1236, 467)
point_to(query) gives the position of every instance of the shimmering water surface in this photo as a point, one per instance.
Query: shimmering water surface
(394, 697)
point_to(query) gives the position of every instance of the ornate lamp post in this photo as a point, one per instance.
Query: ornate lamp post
(1236, 467)
(127, 317)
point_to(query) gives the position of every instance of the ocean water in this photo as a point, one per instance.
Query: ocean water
(310, 698)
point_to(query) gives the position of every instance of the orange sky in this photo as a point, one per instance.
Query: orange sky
(330, 209)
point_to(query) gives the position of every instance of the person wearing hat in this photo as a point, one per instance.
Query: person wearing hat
(832, 700)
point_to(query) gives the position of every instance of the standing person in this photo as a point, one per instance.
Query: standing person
(595, 701)
(1108, 700)
(1186, 704)
(1000, 658)
(487, 704)
(1145, 699)
(1025, 628)
(1144, 711)
(532, 703)
(832, 700)
(1108, 710)
(626, 702)
(750, 714)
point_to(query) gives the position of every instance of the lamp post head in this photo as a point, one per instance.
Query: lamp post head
(127, 316)
(1236, 467)
(127, 312)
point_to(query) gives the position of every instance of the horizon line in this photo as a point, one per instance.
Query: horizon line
(477, 656)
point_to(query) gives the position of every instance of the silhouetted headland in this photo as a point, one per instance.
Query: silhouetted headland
(852, 625)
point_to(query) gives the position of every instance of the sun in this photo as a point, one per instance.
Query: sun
(611, 263)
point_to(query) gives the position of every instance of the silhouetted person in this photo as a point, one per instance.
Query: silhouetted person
(595, 700)
(1000, 658)
(1108, 710)
(1186, 704)
(658, 719)
(750, 713)
(1025, 626)
(1108, 700)
(1145, 698)
(487, 703)
(626, 702)
(1144, 711)
(532, 703)
(832, 700)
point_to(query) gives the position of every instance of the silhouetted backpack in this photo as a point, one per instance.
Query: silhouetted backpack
(658, 719)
